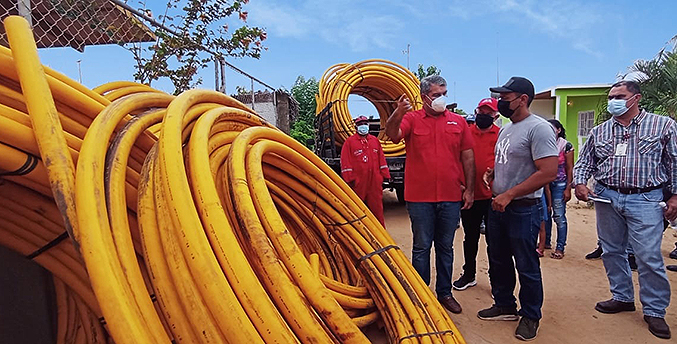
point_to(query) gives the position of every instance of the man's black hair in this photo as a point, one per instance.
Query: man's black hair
(632, 86)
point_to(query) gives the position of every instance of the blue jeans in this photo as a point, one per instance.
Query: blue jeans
(434, 221)
(514, 233)
(559, 210)
(546, 216)
(636, 220)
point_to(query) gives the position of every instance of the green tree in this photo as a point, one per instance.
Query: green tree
(422, 72)
(240, 90)
(304, 91)
(658, 81)
(601, 115)
(200, 34)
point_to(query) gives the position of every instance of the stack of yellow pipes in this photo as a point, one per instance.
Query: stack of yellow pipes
(379, 81)
(219, 229)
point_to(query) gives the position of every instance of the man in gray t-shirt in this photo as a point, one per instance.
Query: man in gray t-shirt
(519, 145)
(526, 160)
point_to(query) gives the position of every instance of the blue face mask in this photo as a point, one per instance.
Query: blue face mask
(618, 107)
(363, 129)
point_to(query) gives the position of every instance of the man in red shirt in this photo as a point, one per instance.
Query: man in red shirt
(485, 134)
(364, 167)
(439, 154)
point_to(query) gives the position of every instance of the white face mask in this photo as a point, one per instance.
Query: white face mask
(439, 104)
(363, 129)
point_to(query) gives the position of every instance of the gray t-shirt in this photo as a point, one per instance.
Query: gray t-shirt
(518, 145)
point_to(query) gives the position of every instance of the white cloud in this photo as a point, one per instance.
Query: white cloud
(365, 32)
(280, 19)
(343, 22)
(572, 21)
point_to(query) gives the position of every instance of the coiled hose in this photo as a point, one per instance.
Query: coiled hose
(380, 81)
(219, 229)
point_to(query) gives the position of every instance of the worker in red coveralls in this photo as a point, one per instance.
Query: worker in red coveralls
(364, 167)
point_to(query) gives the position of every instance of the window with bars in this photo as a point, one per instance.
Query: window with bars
(586, 121)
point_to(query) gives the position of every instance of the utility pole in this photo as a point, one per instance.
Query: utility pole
(407, 53)
(24, 8)
(253, 100)
(79, 71)
(498, 82)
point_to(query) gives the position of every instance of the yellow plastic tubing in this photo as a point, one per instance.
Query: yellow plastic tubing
(46, 124)
(407, 304)
(381, 82)
(244, 235)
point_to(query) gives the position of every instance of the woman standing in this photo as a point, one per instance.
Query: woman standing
(560, 190)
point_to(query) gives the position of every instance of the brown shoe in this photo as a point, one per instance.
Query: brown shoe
(613, 306)
(450, 304)
(658, 327)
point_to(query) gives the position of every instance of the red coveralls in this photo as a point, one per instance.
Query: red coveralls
(363, 167)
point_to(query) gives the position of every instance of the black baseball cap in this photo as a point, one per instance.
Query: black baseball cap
(516, 84)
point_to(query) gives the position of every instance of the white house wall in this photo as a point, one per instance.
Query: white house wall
(543, 107)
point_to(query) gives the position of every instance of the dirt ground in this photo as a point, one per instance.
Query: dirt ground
(572, 286)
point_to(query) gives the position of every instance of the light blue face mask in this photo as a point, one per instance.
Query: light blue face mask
(618, 107)
(363, 129)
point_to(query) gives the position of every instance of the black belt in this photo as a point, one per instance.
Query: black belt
(524, 202)
(630, 191)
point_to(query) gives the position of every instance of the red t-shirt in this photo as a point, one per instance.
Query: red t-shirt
(484, 157)
(433, 170)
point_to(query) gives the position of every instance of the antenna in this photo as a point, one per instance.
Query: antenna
(406, 52)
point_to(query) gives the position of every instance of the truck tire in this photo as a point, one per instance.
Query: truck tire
(399, 191)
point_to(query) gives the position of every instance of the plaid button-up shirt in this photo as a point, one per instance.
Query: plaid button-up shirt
(650, 157)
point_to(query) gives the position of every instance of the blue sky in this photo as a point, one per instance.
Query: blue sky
(552, 42)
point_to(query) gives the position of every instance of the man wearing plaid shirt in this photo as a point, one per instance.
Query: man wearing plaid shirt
(632, 156)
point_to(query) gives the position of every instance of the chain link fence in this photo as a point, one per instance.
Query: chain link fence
(77, 23)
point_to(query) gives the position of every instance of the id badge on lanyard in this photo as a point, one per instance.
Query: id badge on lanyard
(621, 149)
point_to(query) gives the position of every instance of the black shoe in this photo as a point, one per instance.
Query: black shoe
(527, 329)
(658, 327)
(613, 306)
(498, 313)
(464, 282)
(673, 254)
(632, 262)
(596, 254)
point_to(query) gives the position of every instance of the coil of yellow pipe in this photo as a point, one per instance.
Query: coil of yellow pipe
(381, 82)
(198, 222)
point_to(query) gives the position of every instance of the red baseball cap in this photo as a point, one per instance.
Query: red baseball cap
(492, 103)
(360, 119)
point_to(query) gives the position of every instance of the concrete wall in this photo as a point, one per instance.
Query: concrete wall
(278, 108)
(265, 110)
